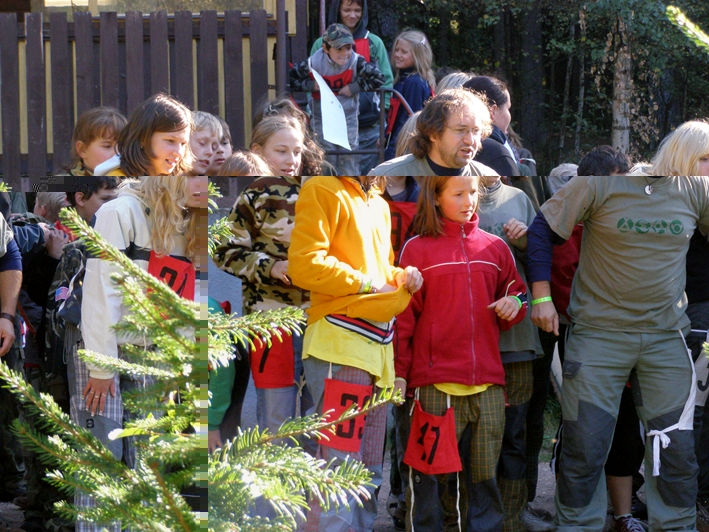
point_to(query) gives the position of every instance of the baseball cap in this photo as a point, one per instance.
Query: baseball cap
(337, 35)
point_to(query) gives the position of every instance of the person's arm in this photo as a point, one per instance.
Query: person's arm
(378, 50)
(10, 283)
(540, 249)
(236, 254)
(369, 77)
(299, 78)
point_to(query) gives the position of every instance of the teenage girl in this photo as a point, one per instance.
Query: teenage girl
(412, 59)
(448, 352)
(279, 141)
(154, 142)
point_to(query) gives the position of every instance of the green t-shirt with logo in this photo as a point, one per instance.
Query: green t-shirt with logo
(631, 273)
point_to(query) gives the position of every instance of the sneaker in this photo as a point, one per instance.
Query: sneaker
(537, 520)
(397, 513)
(702, 517)
(627, 523)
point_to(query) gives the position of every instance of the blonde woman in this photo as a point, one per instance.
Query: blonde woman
(153, 221)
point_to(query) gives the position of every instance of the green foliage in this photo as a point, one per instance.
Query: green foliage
(693, 32)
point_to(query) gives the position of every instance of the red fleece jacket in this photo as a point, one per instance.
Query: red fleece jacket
(447, 334)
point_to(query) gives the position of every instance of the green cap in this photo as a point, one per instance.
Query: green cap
(337, 35)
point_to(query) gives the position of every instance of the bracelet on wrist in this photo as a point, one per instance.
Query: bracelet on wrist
(366, 287)
(518, 300)
(541, 300)
(7, 316)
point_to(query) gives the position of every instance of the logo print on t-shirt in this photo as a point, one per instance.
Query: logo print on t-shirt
(677, 227)
(625, 225)
(660, 226)
(642, 226)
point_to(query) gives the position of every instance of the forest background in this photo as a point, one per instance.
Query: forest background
(580, 73)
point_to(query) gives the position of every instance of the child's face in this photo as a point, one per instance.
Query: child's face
(341, 56)
(221, 154)
(282, 151)
(197, 192)
(95, 152)
(703, 165)
(403, 55)
(168, 150)
(88, 207)
(350, 14)
(203, 144)
(459, 198)
(501, 116)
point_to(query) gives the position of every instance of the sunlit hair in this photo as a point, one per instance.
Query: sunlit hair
(313, 155)
(206, 121)
(680, 151)
(565, 170)
(420, 51)
(406, 133)
(96, 123)
(158, 114)
(270, 125)
(243, 163)
(166, 197)
(437, 112)
(427, 221)
(454, 80)
(53, 202)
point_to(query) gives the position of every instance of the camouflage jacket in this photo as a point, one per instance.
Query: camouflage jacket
(63, 308)
(261, 223)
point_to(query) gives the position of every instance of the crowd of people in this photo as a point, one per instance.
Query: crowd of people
(57, 299)
(458, 290)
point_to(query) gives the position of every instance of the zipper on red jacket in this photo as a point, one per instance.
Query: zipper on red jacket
(470, 296)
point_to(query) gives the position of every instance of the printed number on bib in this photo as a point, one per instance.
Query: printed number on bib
(433, 448)
(273, 367)
(339, 396)
(179, 274)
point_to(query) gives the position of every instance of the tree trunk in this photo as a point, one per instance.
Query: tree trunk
(620, 138)
(530, 101)
(582, 80)
(567, 90)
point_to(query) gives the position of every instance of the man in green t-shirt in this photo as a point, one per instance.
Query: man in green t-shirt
(628, 321)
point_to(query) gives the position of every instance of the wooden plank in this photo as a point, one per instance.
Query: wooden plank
(208, 68)
(36, 96)
(281, 58)
(88, 93)
(134, 60)
(159, 60)
(300, 41)
(62, 91)
(259, 57)
(109, 60)
(234, 77)
(10, 98)
(183, 71)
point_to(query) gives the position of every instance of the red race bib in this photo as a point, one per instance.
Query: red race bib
(179, 274)
(433, 447)
(339, 396)
(273, 367)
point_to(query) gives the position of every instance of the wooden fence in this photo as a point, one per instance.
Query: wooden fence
(119, 60)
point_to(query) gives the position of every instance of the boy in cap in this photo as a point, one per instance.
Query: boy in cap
(346, 73)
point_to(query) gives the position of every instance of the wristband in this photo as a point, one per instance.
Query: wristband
(519, 301)
(541, 300)
(7, 316)
(366, 287)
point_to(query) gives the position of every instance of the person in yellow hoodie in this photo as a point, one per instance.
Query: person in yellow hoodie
(341, 251)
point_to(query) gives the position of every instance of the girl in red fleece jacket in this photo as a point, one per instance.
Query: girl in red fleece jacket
(447, 351)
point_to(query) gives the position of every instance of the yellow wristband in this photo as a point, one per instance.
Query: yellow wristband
(541, 300)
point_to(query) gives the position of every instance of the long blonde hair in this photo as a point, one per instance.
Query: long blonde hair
(681, 150)
(166, 197)
(421, 52)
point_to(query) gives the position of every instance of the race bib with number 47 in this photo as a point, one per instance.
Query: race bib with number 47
(433, 447)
